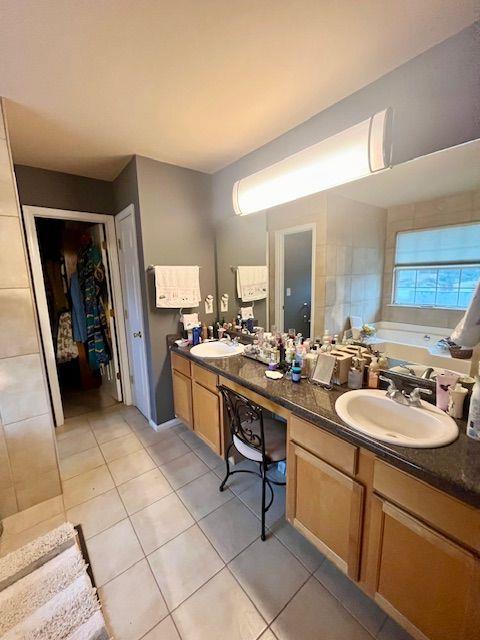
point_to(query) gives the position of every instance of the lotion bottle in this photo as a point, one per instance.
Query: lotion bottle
(456, 398)
(473, 423)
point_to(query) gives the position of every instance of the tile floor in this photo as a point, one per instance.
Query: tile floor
(176, 559)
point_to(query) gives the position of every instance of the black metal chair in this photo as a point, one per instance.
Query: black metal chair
(257, 438)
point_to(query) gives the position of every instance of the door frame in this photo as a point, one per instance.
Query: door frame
(130, 210)
(280, 273)
(119, 341)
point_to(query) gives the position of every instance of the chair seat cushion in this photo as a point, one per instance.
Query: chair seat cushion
(275, 440)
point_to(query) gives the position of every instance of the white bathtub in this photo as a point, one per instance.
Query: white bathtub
(416, 343)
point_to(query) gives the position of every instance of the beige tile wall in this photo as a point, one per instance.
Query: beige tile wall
(28, 459)
(452, 209)
(355, 238)
(350, 239)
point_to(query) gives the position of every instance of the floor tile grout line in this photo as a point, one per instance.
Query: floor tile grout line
(344, 607)
(249, 598)
(224, 565)
(309, 577)
(98, 494)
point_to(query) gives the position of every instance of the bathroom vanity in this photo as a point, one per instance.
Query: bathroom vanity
(402, 523)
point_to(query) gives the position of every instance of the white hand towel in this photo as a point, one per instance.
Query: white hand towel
(177, 287)
(467, 331)
(252, 283)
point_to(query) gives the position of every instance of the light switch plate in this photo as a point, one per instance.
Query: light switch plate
(209, 304)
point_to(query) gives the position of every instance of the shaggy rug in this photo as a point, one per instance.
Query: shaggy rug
(46, 593)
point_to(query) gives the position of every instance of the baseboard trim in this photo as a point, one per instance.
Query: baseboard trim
(165, 425)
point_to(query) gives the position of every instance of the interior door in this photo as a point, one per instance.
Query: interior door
(132, 299)
(297, 281)
(111, 373)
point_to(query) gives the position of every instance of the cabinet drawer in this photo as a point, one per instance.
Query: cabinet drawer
(181, 364)
(205, 377)
(443, 512)
(338, 453)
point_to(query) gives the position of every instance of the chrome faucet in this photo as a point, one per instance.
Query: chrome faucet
(230, 342)
(427, 374)
(409, 400)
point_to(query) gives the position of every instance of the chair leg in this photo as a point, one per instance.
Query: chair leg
(227, 453)
(264, 487)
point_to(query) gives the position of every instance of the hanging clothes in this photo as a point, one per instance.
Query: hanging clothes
(66, 348)
(79, 318)
(91, 274)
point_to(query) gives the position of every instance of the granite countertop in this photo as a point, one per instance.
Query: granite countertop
(454, 468)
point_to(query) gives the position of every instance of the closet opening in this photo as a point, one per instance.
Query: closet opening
(77, 296)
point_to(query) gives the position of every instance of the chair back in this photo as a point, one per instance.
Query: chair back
(245, 418)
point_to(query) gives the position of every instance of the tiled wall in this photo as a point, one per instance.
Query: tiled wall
(350, 239)
(28, 461)
(453, 209)
(354, 262)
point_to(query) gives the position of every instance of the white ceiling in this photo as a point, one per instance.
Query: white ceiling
(197, 83)
(438, 174)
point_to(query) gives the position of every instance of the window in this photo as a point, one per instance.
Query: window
(437, 267)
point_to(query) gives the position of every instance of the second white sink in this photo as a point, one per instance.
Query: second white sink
(372, 413)
(217, 349)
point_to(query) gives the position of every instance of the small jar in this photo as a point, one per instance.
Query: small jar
(296, 374)
(355, 379)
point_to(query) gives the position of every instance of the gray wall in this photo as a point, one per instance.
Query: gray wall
(44, 188)
(240, 240)
(174, 210)
(436, 101)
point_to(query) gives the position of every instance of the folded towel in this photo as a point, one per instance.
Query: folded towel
(467, 331)
(252, 283)
(177, 287)
(189, 320)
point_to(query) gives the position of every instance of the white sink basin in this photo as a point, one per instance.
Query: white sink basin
(216, 350)
(372, 413)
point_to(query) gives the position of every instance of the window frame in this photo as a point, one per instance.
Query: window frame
(459, 264)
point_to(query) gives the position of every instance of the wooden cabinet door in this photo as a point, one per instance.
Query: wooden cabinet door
(206, 416)
(326, 506)
(182, 397)
(428, 583)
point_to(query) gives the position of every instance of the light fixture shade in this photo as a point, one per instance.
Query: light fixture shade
(349, 155)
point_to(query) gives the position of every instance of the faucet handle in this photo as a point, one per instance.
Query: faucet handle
(416, 393)
(391, 384)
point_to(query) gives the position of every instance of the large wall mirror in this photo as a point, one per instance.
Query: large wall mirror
(399, 250)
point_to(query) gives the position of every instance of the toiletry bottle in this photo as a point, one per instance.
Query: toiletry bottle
(373, 372)
(296, 374)
(311, 361)
(355, 375)
(456, 398)
(473, 423)
(204, 332)
(443, 381)
(196, 333)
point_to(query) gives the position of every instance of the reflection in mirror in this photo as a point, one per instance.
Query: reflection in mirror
(399, 250)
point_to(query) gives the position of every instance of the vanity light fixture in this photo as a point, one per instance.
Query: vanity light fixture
(349, 155)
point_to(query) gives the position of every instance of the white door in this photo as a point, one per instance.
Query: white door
(132, 300)
(110, 373)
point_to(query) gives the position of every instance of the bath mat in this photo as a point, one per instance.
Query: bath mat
(49, 595)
